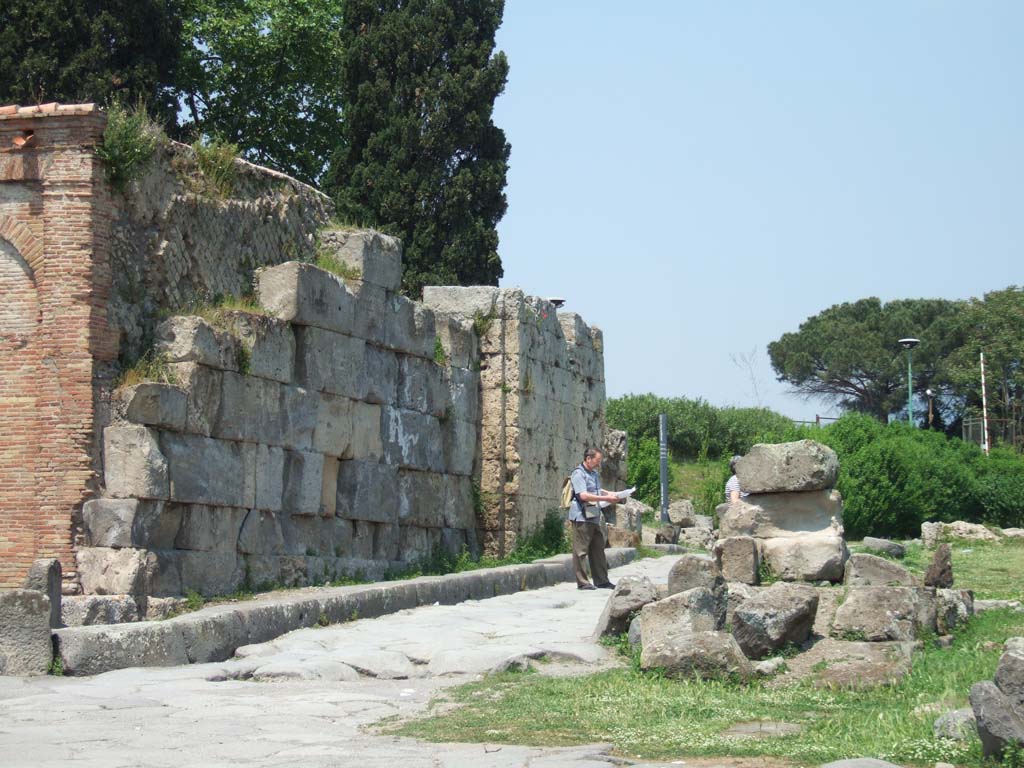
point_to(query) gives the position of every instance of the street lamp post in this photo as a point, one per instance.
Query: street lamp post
(909, 344)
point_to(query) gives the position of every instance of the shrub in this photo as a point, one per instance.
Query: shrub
(129, 141)
(1000, 487)
(218, 168)
(645, 471)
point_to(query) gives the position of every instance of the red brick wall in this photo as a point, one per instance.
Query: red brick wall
(54, 264)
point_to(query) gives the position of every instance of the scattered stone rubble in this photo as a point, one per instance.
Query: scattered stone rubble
(998, 704)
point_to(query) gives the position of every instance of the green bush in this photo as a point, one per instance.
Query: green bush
(129, 141)
(645, 471)
(217, 162)
(1000, 486)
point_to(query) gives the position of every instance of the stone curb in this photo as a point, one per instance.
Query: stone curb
(213, 633)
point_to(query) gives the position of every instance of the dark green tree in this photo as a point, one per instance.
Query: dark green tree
(90, 51)
(848, 354)
(419, 155)
(265, 75)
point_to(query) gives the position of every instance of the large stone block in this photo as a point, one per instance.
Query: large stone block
(139, 523)
(207, 471)
(780, 615)
(412, 440)
(211, 573)
(25, 647)
(806, 558)
(210, 529)
(268, 341)
(307, 296)
(738, 559)
(330, 362)
(333, 433)
(708, 655)
(766, 516)
(370, 322)
(368, 490)
(630, 595)
(303, 482)
(460, 446)
(418, 544)
(202, 386)
(885, 613)
(952, 608)
(409, 327)
(133, 464)
(374, 257)
(692, 571)
(421, 386)
(458, 340)
(44, 575)
(261, 535)
(188, 339)
(695, 610)
(459, 502)
(152, 403)
(104, 571)
(386, 541)
(299, 410)
(1000, 718)
(804, 465)
(864, 570)
(250, 410)
(269, 479)
(87, 610)
(367, 426)
(463, 301)
(464, 393)
(421, 498)
(381, 376)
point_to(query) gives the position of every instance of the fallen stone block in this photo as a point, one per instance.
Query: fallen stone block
(1000, 719)
(891, 548)
(697, 537)
(738, 559)
(804, 465)
(864, 570)
(778, 616)
(629, 596)
(806, 558)
(694, 570)
(885, 613)
(681, 513)
(708, 655)
(957, 724)
(940, 570)
(25, 647)
(766, 516)
(695, 610)
(620, 537)
(953, 608)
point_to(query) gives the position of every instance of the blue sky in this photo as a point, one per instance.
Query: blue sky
(697, 178)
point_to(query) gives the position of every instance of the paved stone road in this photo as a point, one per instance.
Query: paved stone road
(305, 698)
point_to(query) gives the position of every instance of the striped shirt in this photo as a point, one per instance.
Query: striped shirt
(733, 484)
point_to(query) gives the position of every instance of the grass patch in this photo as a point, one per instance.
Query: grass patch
(129, 142)
(991, 568)
(653, 718)
(217, 168)
(152, 366)
(440, 357)
(329, 263)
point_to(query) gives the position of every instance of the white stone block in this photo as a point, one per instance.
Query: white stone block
(133, 464)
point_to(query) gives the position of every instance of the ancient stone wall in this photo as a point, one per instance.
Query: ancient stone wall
(543, 398)
(333, 427)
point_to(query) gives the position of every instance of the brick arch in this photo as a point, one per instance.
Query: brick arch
(18, 234)
(19, 312)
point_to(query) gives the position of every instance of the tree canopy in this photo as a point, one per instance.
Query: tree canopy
(265, 74)
(419, 154)
(87, 50)
(849, 354)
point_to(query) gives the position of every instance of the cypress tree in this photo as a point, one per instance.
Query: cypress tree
(419, 155)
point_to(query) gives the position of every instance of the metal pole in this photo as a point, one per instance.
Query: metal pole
(663, 445)
(984, 408)
(910, 386)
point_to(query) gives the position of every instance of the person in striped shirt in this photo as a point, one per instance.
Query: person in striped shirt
(733, 492)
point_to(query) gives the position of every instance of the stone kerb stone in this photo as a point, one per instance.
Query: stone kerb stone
(804, 465)
(25, 647)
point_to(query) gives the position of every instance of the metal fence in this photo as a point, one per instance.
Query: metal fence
(819, 421)
(1000, 432)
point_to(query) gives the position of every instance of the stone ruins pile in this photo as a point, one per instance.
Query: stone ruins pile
(792, 519)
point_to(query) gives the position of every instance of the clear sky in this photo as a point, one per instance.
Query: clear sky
(697, 178)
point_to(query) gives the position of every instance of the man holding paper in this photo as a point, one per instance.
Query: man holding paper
(585, 516)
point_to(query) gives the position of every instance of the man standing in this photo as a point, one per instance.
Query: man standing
(585, 517)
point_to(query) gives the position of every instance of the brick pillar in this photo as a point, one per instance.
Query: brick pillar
(55, 217)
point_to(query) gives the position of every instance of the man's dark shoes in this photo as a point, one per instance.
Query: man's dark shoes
(606, 585)
(585, 586)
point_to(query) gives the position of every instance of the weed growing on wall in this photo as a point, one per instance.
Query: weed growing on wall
(218, 168)
(151, 367)
(129, 142)
(440, 357)
(330, 263)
